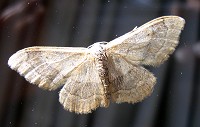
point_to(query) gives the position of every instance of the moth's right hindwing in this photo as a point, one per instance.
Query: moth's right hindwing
(129, 83)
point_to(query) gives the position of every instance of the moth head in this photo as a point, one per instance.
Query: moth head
(97, 48)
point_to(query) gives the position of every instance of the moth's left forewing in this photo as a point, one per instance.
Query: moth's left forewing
(47, 67)
(150, 44)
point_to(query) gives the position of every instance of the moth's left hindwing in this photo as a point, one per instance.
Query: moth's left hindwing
(83, 90)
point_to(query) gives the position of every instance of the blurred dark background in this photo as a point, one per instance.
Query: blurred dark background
(175, 101)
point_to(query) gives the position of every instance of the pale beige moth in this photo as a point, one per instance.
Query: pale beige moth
(105, 71)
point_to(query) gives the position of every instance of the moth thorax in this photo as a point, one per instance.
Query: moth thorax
(101, 61)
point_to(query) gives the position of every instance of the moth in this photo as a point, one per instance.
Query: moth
(104, 71)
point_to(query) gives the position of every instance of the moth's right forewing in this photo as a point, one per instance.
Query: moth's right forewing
(47, 67)
(150, 44)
